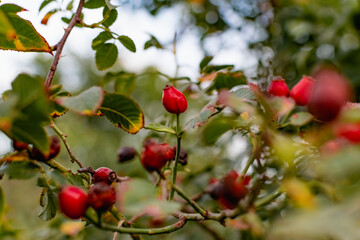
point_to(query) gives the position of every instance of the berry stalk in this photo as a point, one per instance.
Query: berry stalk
(177, 154)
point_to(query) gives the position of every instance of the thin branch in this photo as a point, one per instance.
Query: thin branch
(192, 203)
(60, 45)
(147, 231)
(255, 153)
(64, 139)
(267, 199)
(136, 217)
(54, 164)
(176, 162)
(125, 222)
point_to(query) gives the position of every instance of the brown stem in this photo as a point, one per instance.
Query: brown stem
(60, 45)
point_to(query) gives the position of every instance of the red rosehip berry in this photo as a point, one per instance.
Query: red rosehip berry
(73, 201)
(278, 87)
(102, 196)
(173, 100)
(330, 93)
(19, 146)
(349, 131)
(53, 152)
(126, 154)
(302, 91)
(104, 174)
(155, 155)
(230, 189)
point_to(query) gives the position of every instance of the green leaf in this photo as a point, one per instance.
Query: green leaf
(227, 81)
(300, 119)
(205, 61)
(77, 180)
(215, 129)
(215, 68)
(128, 43)
(92, 4)
(49, 201)
(26, 131)
(153, 42)
(160, 128)
(30, 113)
(19, 170)
(45, 3)
(54, 89)
(106, 55)
(110, 17)
(19, 34)
(70, 5)
(101, 39)
(66, 20)
(57, 110)
(205, 114)
(86, 103)
(123, 112)
(244, 93)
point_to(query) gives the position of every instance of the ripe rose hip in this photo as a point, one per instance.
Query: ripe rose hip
(72, 201)
(102, 196)
(302, 91)
(330, 93)
(278, 87)
(104, 174)
(155, 155)
(19, 146)
(54, 150)
(126, 154)
(173, 100)
(230, 189)
(349, 131)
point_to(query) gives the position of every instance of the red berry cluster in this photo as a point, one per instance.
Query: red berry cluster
(324, 94)
(74, 201)
(230, 189)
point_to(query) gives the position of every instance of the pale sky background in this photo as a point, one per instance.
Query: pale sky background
(135, 24)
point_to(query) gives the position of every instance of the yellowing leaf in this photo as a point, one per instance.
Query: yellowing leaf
(17, 157)
(299, 193)
(123, 112)
(19, 34)
(47, 17)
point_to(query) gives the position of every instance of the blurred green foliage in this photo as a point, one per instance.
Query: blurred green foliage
(299, 34)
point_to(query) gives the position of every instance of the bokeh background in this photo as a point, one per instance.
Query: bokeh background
(263, 38)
